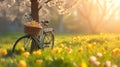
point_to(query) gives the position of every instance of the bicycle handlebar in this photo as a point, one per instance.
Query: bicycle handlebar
(45, 23)
(29, 18)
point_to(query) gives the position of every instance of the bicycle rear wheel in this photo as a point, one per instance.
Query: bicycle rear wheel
(48, 40)
(23, 44)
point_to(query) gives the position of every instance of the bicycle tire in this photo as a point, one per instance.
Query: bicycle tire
(50, 41)
(18, 44)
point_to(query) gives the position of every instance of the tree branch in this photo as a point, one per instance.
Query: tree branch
(44, 3)
(1, 0)
(48, 1)
(105, 11)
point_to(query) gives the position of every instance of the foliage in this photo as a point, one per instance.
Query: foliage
(69, 51)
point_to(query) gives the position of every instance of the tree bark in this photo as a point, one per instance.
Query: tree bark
(35, 10)
(35, 17)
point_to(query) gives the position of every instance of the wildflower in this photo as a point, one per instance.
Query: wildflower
(58, 50)
(61, 45)
(96, 63)
(80, 49)
(115, 51)
(76, 38)
(92, 59)
(26, 54)
(69, 50)
(103, 49)
(37, 53)
(89, 46)
(3, 52)
(99, 55)
(33, 24)
(94, 44)
(22, 49)
(83, 64)
(22, 63)
(107, 64)
(51, 51)
(39, 61)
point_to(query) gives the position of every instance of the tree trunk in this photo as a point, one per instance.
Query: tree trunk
(35, 16)
(60, 23)
(35, 10)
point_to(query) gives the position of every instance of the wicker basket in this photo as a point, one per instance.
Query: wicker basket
(32, 30)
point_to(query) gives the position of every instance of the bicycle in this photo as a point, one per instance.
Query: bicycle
(28, 41)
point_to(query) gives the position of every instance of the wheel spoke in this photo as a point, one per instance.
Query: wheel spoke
(27, 42)
(48, 40)
(22, 44)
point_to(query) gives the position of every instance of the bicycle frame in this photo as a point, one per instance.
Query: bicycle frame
(40, 41)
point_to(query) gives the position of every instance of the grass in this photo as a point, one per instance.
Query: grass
(69, 51)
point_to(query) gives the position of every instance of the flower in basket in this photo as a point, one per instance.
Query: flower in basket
(32, 28)
(33, 24)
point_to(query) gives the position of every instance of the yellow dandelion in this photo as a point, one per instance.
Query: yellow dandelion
(74, 38)
(37, 53)
(22, 49)
(115, 51)
(39, 61)
(83, 64)
(51, 51)
(3, 52)
(94, 44)
(61, 45)
(57, 50)
(77, 38)
(26, 54)
(89, 46)
(22, 63)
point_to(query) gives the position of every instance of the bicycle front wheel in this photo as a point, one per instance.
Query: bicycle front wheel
(23, 44)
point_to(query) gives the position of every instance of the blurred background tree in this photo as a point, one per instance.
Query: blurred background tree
(66, 16)
(14, 10)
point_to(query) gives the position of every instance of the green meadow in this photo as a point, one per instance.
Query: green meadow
(75, 50)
